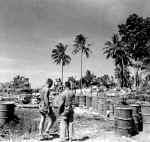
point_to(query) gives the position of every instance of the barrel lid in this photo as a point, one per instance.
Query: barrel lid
(146, 105)
(124, 108)
(134, 105)
(6, 102)
(124, 119)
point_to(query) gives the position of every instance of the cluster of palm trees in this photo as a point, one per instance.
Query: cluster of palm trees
(115, 49)
(130, 47)
(60, 57)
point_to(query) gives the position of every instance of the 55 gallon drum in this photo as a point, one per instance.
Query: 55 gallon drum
(146, 117)
(137, 116)
(94, 102)
(82, 100)
(101, 106)
(77, 100)
(124, 121)
(6, 112)
(88, 101)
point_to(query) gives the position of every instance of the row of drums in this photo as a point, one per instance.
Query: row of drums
(7, 110)
(96, 102)
(129, 120)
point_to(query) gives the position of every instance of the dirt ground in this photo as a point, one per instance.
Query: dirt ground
(88, 127)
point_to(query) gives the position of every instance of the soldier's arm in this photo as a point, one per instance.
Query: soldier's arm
(73, 101)
(61, 104)
(46, 97)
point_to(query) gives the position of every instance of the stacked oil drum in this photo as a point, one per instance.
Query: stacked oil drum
(6, 112)
(146, 117)
(123, 121)
(88, 100)
(128, 120)
(137, 117)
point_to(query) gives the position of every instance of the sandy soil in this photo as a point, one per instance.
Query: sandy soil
(89, 127)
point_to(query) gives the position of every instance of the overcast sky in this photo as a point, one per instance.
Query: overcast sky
(29, 29)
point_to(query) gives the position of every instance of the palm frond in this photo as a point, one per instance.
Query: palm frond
(80, 39)
(76, 49)
(80, 44)
(66, 60)
(86, 51)
(59, 56)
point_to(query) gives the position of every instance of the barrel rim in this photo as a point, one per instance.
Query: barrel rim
(6, 103)
(125, 119)
(146, 122)
(123, 108)
(132, 105)
(4, 110)
(3, 117)
(145, 105)
(124, 128)
(145, 114)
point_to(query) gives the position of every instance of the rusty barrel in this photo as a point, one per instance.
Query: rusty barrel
(123, 121)
(146, 117)
(137, 116)
(101, 105)
(6, 112)
(109, 108)
(82, 100)
(88, 101)
(94, 102)
(97, 103)
(77, 100)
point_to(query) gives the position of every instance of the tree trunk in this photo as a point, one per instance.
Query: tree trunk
(62, 73)
(81, 71)
(123, 82)
(137, 78)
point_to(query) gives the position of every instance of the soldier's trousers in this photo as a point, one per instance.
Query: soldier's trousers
(66, 129)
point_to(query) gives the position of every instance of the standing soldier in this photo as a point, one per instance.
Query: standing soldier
(66, 111)
(45, 107)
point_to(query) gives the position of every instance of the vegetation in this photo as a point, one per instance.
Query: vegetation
(130, 47)
(116, 49)
(91, 79)
(19, 84)
(81, 45)
(60, 57)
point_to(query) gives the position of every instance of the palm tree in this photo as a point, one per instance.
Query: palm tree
(124, 80)
(142, 68)
(116, 50)
(59, 56)
(81, 45)
(145, 67)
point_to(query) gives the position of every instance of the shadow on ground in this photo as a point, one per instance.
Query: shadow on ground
(81, 139)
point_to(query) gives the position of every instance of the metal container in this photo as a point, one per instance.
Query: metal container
(123, 121)
(146, 117)
(6, 112)
(101, 106)
(82, 100)
(88, 101)
(94, 103)
(77, 100)
(137, 116)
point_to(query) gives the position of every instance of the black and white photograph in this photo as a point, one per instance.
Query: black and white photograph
(75, 70)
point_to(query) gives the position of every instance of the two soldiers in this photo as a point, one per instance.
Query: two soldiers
(65, 109)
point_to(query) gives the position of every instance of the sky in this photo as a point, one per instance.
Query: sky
(30, 29)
